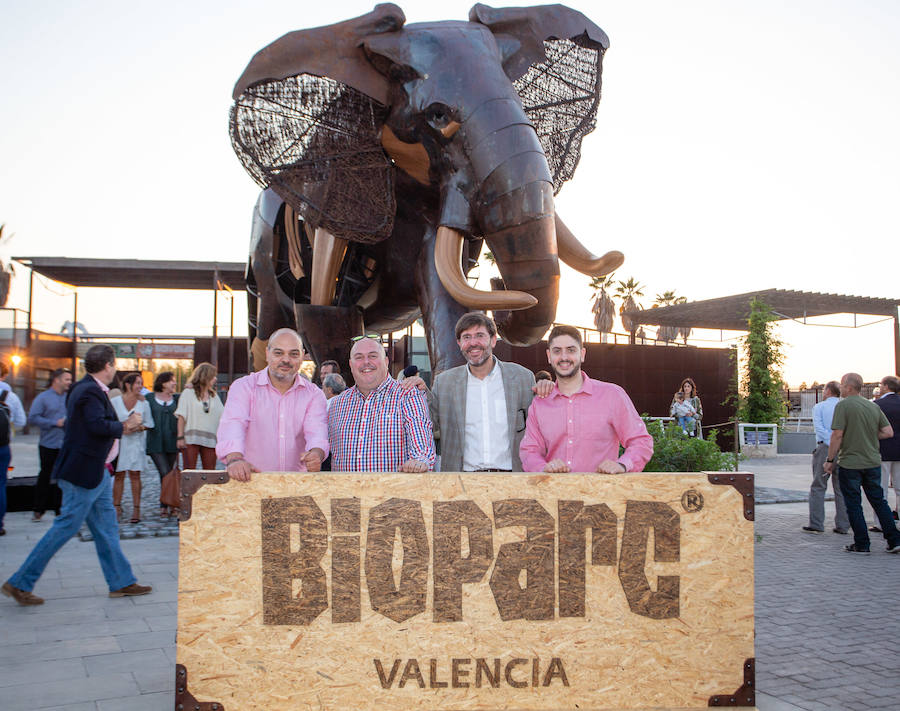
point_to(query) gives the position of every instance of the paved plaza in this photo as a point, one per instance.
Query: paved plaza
(826, 634)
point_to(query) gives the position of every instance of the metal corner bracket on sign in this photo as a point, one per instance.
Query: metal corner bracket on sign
(184, 700)
(743, 483)
(745, 695)
(191, 481)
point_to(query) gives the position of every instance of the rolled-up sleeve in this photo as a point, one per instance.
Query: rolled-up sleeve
(315, 423)
(533, 449)
(232, 433)
(633, 435)
(417, 428)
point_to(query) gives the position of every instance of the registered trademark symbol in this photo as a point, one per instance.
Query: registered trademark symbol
(692, 500)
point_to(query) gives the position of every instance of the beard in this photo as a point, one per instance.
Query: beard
(486, 354)
(568, 370)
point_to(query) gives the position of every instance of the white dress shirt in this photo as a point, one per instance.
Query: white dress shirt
(487, 426)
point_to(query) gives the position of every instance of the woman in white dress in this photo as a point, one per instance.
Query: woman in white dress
(132, 447)
(198, 412)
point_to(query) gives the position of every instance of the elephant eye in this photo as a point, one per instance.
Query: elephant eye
(438, 116)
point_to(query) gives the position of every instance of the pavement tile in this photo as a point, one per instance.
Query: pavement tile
(86, 706)
(146, 640)
(27, 697)
(126, 662)
(81, 630)
(14, 673)
(161, 701)
(151, 680)
(68, 649)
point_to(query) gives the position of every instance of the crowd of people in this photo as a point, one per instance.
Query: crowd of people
(858, 448)
(486, 416)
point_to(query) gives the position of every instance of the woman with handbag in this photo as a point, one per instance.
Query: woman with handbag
(198, 412)
(132, 447)
(161, 440)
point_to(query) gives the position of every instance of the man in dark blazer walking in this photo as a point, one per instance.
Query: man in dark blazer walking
(92, 431)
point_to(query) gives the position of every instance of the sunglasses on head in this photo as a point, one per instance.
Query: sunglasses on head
(373, 336)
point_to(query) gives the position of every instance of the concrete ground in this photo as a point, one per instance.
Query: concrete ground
(825, 634)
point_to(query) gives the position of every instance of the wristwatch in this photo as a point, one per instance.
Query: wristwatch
(830, 461)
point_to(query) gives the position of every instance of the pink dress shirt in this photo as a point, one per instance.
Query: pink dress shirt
(585, 429)
(272, 430)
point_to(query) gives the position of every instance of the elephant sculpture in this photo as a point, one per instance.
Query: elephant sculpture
(389, 152)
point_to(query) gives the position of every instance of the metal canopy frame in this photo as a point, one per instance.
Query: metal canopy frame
(730, 313)
(140, 274)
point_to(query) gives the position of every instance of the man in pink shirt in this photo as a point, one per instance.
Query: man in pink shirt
(580, 425)
(274, 420)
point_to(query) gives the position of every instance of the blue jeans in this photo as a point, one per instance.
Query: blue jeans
(851, 480)
(686, 423)
(5, 456)
(79, 505)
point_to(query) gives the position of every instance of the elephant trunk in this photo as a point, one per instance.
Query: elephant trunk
(515, 212)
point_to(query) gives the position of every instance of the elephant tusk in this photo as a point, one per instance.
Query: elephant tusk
(448, 262)
(573, 253)
(328, 253)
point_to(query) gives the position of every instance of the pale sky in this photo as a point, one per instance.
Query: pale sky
(739, 146)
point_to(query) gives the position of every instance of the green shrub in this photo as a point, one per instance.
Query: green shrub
(673, 451)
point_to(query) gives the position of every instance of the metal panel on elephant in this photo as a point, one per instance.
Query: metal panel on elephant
(467, 591)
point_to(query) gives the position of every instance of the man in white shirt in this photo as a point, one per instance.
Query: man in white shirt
(823, 413)
(16, 411)
(479, 409)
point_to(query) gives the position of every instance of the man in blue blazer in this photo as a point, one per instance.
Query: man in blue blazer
(92, 431)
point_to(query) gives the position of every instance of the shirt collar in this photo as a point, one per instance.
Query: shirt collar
(381, 388)
(262, 379)
(495, 371)
(587, 386)
(103, 386)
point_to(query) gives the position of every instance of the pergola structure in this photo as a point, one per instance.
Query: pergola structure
(135, 274)
(730, 313)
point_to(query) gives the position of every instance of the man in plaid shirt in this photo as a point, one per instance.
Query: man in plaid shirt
(377, 425)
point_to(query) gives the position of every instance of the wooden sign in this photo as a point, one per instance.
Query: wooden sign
(465, 591)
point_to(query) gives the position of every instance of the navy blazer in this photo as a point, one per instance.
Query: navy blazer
(890, 448)
(91, 429)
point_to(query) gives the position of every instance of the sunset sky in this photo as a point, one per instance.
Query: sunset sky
(739, 146)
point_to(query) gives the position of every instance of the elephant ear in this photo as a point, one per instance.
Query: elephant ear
(554, 57)
(306, 122)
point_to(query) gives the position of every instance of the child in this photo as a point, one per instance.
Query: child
(684, 413)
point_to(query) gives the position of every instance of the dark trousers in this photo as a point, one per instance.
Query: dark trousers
(869, 480)
(207, 457)
(46, 495)
(163, 461)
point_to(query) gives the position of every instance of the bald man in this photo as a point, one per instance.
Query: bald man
(856, 428)
(274, 420)
(378, 425)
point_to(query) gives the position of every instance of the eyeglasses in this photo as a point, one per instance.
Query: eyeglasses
(373, 336)
(205, 404)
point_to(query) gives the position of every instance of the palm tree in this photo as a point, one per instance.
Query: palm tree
(683, 331)
(6, 270)
(628, 290)
(604, 308)
(667, 298)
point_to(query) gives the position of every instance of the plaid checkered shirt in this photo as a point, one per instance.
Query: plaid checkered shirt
(379, 432)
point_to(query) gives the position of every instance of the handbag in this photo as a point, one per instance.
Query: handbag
(170, 488)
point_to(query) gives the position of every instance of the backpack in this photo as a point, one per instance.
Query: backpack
(4, 419)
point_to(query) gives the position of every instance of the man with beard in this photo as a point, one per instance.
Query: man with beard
(378, 425)
(479, 409)
(274, 420)
(580, 426)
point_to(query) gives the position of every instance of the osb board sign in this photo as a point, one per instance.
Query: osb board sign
(467, 591)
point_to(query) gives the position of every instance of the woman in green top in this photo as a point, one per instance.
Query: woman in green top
(689, 388)
(161, 440)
